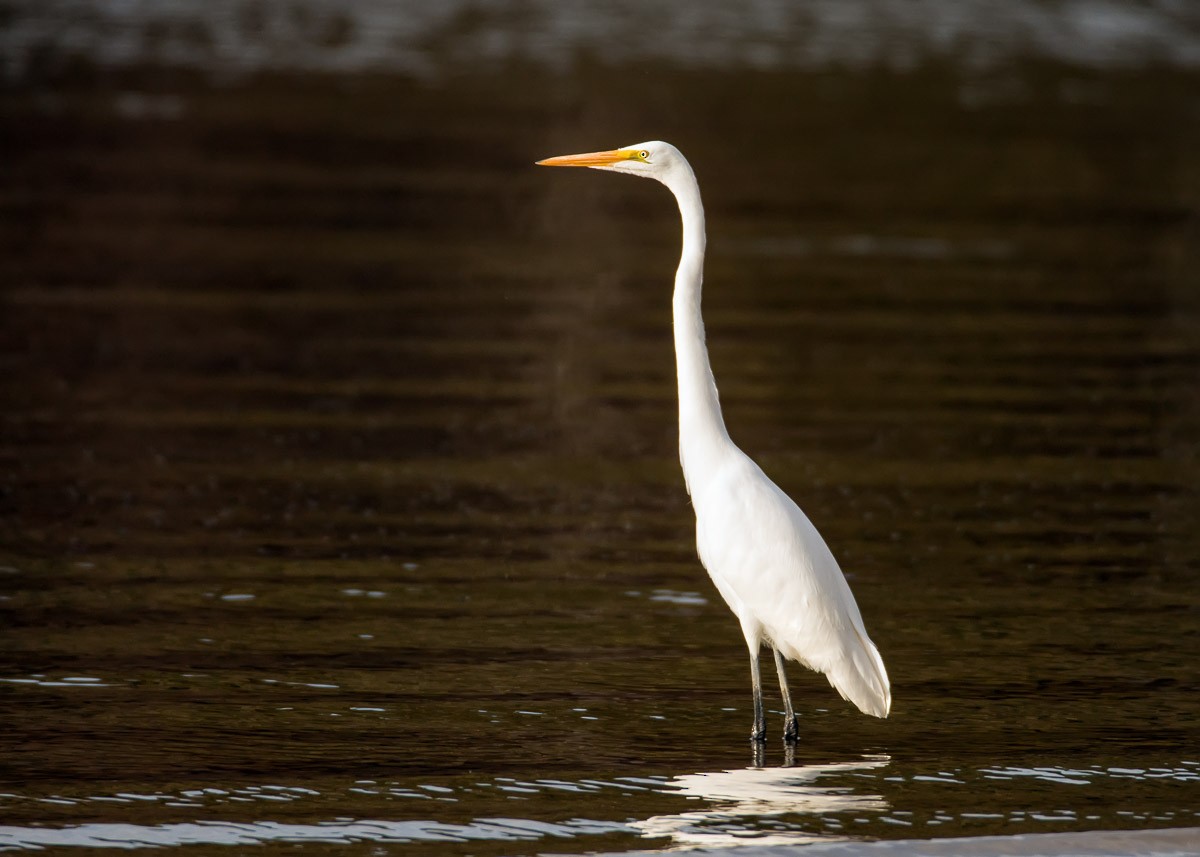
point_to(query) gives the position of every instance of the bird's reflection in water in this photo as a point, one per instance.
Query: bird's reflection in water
(740, 799)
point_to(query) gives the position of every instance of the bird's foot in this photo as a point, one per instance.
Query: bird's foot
(791, 730)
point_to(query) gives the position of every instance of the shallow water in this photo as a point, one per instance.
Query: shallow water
(340, 500)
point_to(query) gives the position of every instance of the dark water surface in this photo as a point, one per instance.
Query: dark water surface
(338, 476)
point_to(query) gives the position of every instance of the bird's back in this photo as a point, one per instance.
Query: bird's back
(779, 576)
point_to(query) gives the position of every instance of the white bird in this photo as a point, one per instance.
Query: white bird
(766, 558)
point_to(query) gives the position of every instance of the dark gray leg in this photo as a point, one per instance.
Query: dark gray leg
(759, 732)
(791, 729)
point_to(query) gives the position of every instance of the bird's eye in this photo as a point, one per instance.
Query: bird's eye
(644, 155)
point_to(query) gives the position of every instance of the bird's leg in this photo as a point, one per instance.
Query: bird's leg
(759, 732)
(791, 730)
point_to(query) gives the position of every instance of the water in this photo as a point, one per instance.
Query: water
(340, 500)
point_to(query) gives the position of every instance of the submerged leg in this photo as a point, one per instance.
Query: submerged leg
(791, 730)
(759, 731)
(758, 754)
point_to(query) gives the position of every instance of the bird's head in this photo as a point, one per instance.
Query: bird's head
(652, 160)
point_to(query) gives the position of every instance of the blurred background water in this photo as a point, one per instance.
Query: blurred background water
(338, 476)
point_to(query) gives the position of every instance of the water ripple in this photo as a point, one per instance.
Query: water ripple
(435, 39)
(793, 805)
(102, 835)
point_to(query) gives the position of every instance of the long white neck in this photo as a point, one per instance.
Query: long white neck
(702, 434)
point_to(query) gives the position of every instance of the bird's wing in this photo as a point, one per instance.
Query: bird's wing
(756, 542)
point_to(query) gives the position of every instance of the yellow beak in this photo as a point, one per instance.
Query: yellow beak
(590, 159)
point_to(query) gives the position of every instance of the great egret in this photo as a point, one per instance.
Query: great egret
(766, 558)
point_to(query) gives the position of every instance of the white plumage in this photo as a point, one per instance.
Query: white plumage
(766, 558)
(783, 584)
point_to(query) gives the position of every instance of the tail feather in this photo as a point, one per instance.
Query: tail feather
(861, 677)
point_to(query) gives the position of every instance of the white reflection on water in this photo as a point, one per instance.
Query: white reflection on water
(738, 801)
(741, 799)
(788, 805)
(1185, 773)
(259, 833)
(68, 681)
